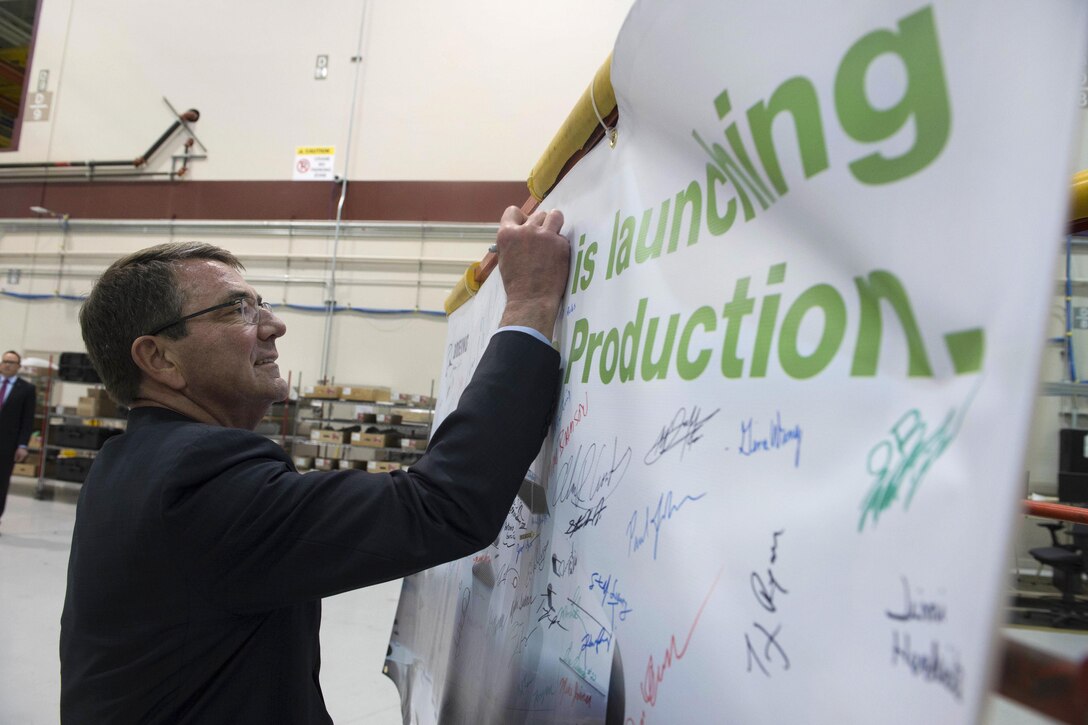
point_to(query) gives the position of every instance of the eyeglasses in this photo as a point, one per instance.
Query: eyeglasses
(251, 313)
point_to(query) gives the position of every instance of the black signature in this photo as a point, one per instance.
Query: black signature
(588, 517)
(770, 641)
(682, 431)
(578, 477)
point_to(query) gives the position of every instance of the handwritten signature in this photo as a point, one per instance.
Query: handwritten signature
(683, 431)
(917, 610)
(563, 434)
(666, 509)
(765, 593)
(508, 575)
(588, 517)
(941, 666)
(586, 487)
(548, 610)
(524, 546)
(523, 643)
(575, 692)
(542, 556)
(603, 637)
(904, 457)
(466, 596)
(562, 567)
(779, 436)
(578, 477)
(610, 595)
(594, 638)
(655, 673)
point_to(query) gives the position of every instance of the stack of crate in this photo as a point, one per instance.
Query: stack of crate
(76, 367)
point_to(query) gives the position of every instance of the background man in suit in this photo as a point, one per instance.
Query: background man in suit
(17, 399)
(200, 555)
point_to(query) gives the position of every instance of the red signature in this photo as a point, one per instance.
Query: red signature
(655, 674)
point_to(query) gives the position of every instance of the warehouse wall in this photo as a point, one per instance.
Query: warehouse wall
(471, 90)
(461, 92)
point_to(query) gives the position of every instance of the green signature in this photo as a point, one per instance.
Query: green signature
(900, 461)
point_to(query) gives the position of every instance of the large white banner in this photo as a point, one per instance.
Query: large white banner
(801, 343)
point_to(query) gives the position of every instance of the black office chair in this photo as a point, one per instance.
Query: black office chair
(1069, 563)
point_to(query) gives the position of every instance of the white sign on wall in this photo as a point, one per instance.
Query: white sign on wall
(39, 105)
(314, 163)
(801, 343)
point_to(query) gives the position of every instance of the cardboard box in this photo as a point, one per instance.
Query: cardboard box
(415, 444)
(423, 401)
(99, 393)
(363, 454)
(328, 435)
(25, 469)
(382, 466)
(310, 411)
(92, 407)
(387, 418)
(346, 465)
(303, 463)
(373, 440)
(416, 416)
(321, 392)
(324, 464)
(304, 449)
(374, 393)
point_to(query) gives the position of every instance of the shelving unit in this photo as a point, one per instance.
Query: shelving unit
(40, 378)
(72, 444)
(67, 439)
(322, 436)
(279, 422)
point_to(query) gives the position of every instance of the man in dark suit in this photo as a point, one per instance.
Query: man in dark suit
(17, 400)
(200, 556)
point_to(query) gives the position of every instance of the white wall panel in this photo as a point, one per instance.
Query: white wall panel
(446, 91)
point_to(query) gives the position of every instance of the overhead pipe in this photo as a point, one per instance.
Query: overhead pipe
(189, 116)
(48, 272)
(457, 264)
(68, 174)
(390, 231)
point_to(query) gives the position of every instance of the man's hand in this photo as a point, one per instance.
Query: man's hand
(534, 260)
(21, 454)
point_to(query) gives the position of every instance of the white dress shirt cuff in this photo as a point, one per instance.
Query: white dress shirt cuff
(528, 331)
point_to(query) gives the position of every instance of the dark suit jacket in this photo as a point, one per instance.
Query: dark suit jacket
(200, 555)
(16, 421)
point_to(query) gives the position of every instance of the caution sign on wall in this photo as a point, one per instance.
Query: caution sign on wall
(314, 163)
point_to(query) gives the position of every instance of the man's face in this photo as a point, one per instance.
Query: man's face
(229, 366)
(9, 365)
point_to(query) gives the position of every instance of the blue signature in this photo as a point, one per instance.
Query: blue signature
(603, 637)
(778, 437)
(610, 596)
(523, 547)
(664, 511)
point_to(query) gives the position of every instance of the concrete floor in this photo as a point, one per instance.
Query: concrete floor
(35, 537)
(34, 542)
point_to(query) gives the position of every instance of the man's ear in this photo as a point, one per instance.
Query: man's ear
(155, 358)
